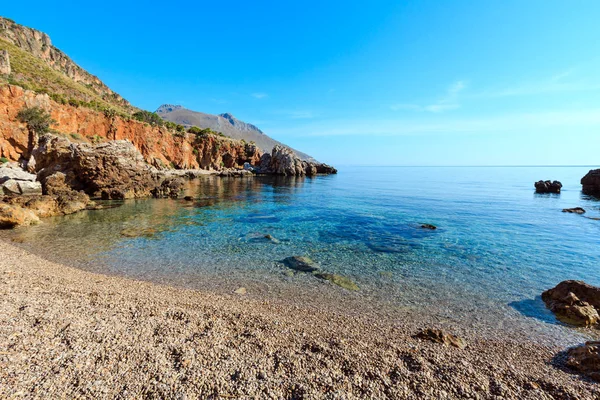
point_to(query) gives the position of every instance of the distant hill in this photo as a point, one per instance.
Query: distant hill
(224, 123)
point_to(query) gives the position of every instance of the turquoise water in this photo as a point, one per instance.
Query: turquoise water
(497, 247)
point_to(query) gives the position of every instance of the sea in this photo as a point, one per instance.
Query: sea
(498, 245)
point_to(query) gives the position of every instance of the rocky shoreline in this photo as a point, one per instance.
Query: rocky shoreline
(72, 333)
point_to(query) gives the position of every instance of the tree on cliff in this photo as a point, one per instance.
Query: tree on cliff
(38, 122)
(37, 119)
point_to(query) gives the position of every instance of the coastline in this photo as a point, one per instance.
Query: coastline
(67, 332)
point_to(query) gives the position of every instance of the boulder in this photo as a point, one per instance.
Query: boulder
(429, 226)
(110, 170)
(439, 336)
(15, 188)
(339, 280)
(11, 171)
(575, 210)
(12, 215)
(169, 188)
(585, 359)
(574, 302)
(300, 263)
(547, 186)
(591, 183)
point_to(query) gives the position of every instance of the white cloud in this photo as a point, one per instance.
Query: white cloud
(260, 95)
(449, 101)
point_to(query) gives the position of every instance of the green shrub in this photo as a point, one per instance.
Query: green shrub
(194, 130)
(149, 117)
(3, 160)
(75, 136)
(37, 119)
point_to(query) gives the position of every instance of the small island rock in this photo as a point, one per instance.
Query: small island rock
(547, 186)
(591, 183)
(575, 210)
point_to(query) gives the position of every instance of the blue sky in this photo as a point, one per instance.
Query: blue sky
(497, 82)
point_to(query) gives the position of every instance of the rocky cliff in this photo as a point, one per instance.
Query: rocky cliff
(39, 45)
(161, 147)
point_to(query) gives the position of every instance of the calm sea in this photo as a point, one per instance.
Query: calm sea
(497, 247)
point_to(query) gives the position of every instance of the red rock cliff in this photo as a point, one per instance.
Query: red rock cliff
(159, 146)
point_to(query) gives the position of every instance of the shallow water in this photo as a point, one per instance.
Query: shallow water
(497, 247)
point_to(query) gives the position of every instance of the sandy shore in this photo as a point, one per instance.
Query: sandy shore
(66, 333)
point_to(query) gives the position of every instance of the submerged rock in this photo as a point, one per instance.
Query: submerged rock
(429, 226)
(574, 302)
(575, 210)
(138, 232)
(439, 336)
(300, 263)
(272, 239)
(339, 280)
(547, 186)
(585, 359)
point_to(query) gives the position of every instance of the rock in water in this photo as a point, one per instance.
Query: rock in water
(576, 210)
(585, 359)
(429, 226)
(574, 302)
(439, 336)
(339, 280)
(300, 263)
(547, 186)
(283, 161)
(272, 239)
(591, 183)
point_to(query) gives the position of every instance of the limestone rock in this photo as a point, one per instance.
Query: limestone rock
(548, 186)
(591, 182)
(439, 336)
(13, 171)
(283, 161)
(12, 215)
(574, 302)
(300, 263)
(585, 359)
(4, 63)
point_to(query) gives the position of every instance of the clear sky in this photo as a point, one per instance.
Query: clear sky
(496, 82)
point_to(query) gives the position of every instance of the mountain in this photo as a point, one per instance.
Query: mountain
(224, 123)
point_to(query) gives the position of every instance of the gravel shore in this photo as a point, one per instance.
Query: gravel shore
(67, 333)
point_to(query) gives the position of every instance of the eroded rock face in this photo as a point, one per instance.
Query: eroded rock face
(585, 359)
(548, 186)
(283, 161)
(111, 170)
(574, 302)
(591, 183)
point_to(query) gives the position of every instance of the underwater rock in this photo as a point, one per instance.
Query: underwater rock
(439, 336)
(300, 263)
(574, 302)
(138, 232)
(585, 359)
(339, 280)
(272, 239)
(547, 186)
(429, 226)
(576, 210)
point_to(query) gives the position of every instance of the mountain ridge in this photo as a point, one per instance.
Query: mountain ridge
(225, 123)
